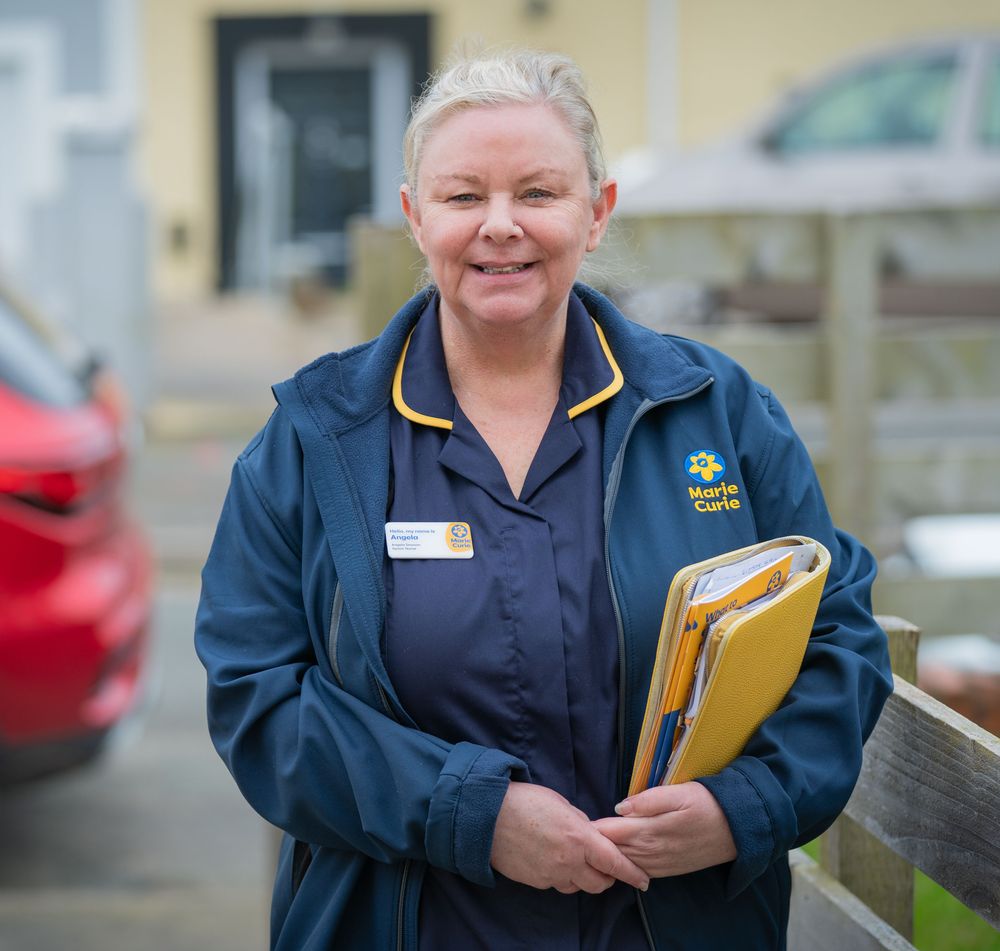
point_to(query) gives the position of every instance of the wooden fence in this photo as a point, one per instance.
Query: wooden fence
(928, 798)
(901, 416)
(843, 266)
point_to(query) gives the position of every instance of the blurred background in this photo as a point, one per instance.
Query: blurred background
(199, 196)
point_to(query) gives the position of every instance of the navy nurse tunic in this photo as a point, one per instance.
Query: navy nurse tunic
(517, 647)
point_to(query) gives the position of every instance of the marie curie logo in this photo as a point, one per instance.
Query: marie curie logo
(705, 466)
(458, 537)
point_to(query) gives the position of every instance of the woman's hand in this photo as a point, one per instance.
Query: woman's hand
(670, 830)
(542, 840)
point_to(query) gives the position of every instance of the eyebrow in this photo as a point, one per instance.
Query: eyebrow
(456, 176)
(541, 172)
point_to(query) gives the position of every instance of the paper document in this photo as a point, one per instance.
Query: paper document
(727, 575)
(700, 606)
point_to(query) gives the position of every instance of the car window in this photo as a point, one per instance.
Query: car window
(991, 104)
(897, 103)
(30, 368)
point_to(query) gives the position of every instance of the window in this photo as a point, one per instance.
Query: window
(897, 103)
(991, 107)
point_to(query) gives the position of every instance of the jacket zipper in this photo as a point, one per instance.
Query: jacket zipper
(404, 878)
(331, 649)
(614, 481)
(644, 919)
(401, 908)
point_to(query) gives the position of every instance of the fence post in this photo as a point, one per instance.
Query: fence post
(866, 867)
(849, 325)
(386, 265)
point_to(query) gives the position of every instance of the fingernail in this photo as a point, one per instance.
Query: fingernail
(645, 887)
(624, 807)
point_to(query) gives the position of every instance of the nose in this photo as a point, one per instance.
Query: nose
(499, 224)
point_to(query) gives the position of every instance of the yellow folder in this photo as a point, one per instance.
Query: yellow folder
(726, 657)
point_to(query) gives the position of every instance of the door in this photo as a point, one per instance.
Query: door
(319, 135)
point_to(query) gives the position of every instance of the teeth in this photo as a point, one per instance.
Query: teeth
(513, 269)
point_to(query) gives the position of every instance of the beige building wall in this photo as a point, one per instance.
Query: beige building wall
(178, 137)
(735, 56)
(732, 58)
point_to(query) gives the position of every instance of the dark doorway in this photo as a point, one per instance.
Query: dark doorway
(310, 117)
(329, 111)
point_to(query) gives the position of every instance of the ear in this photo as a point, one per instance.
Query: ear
(411, 209)
(603, 207)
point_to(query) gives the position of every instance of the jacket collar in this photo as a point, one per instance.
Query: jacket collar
(650, 362)
(339, 391)
(342, 390)
(421, 389)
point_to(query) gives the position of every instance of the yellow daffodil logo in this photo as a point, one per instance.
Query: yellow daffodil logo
(458, 537)
(705, 466)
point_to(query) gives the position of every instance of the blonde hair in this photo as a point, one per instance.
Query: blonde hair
(503, 77)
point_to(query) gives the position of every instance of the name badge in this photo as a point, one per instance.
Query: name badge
(428, 539)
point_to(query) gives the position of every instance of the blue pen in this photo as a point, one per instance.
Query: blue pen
(664, 747)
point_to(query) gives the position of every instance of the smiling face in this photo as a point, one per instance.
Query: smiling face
(504, 214)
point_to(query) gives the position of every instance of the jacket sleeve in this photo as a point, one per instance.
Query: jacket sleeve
(798, 771)
(310, 757)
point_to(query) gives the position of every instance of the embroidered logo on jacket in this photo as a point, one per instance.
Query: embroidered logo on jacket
(706, 467)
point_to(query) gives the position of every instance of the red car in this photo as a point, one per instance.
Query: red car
(75, 572)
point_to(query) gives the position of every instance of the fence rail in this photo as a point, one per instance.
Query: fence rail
(930, 790)
(928, 797)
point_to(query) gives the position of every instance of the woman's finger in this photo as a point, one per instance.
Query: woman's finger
(591, 881)
(604, 856)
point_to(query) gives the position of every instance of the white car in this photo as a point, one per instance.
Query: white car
(915, 126)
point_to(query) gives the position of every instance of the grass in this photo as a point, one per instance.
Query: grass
(943, 923)
(940, 921)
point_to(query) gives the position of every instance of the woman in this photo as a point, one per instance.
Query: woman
(430, 611)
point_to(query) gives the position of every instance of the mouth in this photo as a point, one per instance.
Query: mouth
(502, 269)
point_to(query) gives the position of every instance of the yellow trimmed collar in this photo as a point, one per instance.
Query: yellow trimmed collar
(421, 389)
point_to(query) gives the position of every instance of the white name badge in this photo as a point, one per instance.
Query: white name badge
(428, 539)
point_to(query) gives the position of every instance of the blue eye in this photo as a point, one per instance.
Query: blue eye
(537, 194)
(463, 198)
